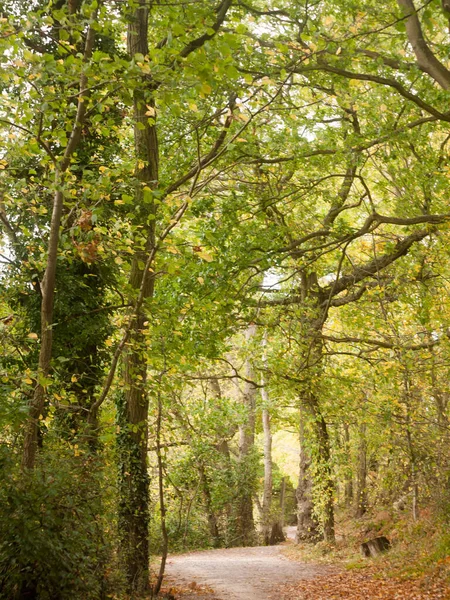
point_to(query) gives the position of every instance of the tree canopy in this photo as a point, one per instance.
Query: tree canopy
(220, 221)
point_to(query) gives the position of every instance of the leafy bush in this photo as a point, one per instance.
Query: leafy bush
(52, 542)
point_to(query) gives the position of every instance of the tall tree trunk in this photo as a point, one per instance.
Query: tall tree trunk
(245, 526)
(441, 399)
(267, 494)
(407, 398)
(266, 520)
(162, 503)
(133, 413)
(210, 514)
(361, 479)
(47, 285)
(30, 443)
(313, 359)
(282, 502)
(327, 477)
(348, 487)
(307, 523)
(222, 447)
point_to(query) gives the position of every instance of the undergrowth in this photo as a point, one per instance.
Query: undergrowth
(420, 549)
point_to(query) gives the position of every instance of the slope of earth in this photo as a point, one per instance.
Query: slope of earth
(236, 574)
(356, 586)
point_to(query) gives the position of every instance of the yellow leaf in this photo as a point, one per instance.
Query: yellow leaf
(28, 381)
(205, 256)
(74, 379)
(200, 280)
(32, 336)
(193, 107)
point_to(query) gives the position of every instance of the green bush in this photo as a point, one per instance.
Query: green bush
(51, 535)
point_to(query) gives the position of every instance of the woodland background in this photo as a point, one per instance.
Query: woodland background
(221, 224)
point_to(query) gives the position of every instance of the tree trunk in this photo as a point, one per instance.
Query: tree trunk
(348, 488)
(328, 483)
(133, 475)
(30, 443)
(133, 414)
(361, 479)
(411, 450)
(210, 514)
(307, 523)
(162, 503)
(245, 526)
(307, 527)
(47, 286)
(267, 493)
(282, 501)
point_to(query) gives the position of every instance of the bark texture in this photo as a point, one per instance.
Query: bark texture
(133, 411)
(361, 479)
(267, 494)
(307, 523)
(313, 356)
(266, 516)
(348, 486)
(426, 60)
(245, 525)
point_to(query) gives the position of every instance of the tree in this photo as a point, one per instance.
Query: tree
(237, 165)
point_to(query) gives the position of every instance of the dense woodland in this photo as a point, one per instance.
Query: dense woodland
(220, 222)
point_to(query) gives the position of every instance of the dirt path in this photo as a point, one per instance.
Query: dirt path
(236, 573)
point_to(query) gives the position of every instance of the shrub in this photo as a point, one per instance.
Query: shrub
(51, 535)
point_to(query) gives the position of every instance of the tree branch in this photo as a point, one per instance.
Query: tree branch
(322, 66)
(361, 272)
(380, 343)
(426, 60)
(221, 11)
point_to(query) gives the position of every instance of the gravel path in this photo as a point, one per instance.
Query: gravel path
(237, 573)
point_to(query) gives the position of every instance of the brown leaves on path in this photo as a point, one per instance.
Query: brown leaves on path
(357, 586)
(192, 591)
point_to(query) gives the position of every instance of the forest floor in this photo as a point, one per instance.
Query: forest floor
(281, 573)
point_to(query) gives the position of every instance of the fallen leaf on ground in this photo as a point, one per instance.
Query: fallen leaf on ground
(355, 586)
